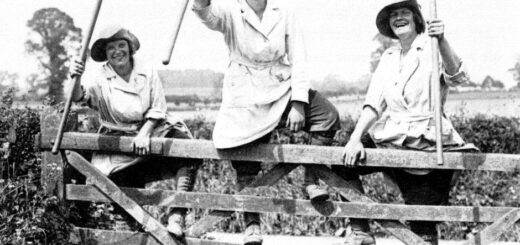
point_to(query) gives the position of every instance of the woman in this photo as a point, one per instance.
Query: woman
(129, 98)
(397, 108)
(264, 86)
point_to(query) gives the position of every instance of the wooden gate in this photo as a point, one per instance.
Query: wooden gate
(387, 216)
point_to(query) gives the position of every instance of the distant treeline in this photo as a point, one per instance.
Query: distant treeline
(191, 78)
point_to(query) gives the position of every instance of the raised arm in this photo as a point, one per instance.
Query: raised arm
(216, 15)
(77, 68)
(451, 61)
(198, 4)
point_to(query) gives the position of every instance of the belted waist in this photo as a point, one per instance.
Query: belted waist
(115, 129)
(256, 64)
(409, 117)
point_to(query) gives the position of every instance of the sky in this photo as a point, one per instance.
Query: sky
(338, 34)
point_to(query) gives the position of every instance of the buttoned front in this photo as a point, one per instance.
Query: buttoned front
(266, 70)
(400, 93)
(123, 107)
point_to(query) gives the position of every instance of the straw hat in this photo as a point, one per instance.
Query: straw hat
(109, 34)
(383, 17)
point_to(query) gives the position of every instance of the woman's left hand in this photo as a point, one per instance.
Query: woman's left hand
(436, 28)
(296, 118)
(141, 145)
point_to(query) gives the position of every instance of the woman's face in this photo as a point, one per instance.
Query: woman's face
(118, 53)
(401, 22)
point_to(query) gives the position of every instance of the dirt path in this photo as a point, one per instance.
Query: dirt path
(289, 240)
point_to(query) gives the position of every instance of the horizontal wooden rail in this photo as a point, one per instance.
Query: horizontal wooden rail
(243, 203)
(295, 154)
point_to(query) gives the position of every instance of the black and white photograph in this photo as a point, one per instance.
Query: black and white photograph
(260, 122)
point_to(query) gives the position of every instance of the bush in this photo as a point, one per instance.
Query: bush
(28, 216)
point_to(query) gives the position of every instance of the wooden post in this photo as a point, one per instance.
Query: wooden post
(76, 79)
(436, 88)
(178, 15)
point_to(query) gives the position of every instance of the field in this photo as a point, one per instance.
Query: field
(469, 104)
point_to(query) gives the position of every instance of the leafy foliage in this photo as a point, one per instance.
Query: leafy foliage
(54, 40)
(28, 216)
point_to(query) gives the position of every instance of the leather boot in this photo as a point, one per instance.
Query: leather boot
(185, 180)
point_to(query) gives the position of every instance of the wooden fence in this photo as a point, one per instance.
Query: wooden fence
(386, 216)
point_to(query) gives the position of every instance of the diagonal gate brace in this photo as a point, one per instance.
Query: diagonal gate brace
(112, 191)
(347, 190)
(214, 217)
(493, 232)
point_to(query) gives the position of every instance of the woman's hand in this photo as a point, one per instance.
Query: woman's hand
(296, 118)
(436, 28)
(353, 151)
(141, 145)
(77, 67)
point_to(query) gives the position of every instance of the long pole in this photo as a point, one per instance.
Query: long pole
(179, 16)
(436, 88)
(76, 79)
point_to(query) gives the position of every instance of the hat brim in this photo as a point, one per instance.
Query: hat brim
(383, 17)
(98, 49)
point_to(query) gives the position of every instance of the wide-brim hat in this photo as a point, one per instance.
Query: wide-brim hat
(109, 34)
(383, 17)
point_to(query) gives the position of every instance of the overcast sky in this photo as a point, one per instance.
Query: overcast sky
(338, 33)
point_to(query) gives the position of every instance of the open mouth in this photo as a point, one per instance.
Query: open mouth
(400, 24)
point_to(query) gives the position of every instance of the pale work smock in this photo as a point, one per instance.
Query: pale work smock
(400, 94)
(266, 69)
(124, 107)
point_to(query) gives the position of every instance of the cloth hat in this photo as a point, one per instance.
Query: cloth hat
(109, 34)
(383, 16)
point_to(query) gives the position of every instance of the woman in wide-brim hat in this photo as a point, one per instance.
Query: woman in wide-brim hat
(130, 101)
(397, 111)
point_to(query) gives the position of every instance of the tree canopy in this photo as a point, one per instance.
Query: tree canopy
(53, 40)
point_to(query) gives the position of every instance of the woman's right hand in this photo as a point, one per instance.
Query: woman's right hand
(352, 153)
(77, 67)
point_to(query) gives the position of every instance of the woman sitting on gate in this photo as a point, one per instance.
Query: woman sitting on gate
(265, 86)
(397, 110)
(129, 98)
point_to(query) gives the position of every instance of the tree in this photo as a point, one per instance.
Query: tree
(53, 40)
(516, 71)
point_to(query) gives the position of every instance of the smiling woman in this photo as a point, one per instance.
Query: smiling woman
(129, 98)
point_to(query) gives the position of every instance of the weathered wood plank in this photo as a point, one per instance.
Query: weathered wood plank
(105, 185)
(346, 190)
(214, 217)
(241, 203)
(81, 236)
(495, 230)
(295, 154)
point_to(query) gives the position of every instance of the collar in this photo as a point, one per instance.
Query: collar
(271, 5)
(270, 19)
(419, 43)
(138, 69)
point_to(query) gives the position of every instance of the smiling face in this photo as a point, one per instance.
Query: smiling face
(402, 22)
(118, 53)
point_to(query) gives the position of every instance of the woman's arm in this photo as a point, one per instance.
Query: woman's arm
(77, 68)
(201, 3)
(354, 150)
(450, 59)
(141, 142)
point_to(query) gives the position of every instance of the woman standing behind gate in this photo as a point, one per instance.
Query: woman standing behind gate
(397, 108)
(129, 98)
(264, 86)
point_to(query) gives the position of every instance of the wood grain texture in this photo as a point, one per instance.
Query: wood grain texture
(294, 154)
(112, 191)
